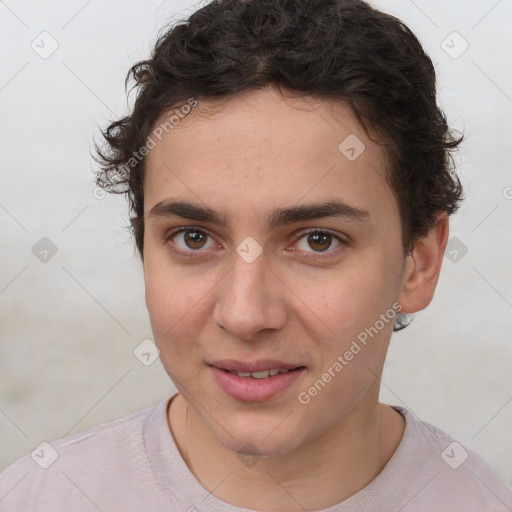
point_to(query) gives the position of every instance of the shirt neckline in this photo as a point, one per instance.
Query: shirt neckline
(174, 476)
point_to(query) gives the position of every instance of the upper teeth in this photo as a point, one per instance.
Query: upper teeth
(258, 375)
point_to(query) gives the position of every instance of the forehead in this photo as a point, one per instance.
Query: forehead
(269, 149)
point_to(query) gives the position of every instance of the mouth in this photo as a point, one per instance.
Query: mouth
(263, 374)
(255, 382)
(270, 365)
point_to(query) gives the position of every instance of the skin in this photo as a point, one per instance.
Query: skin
(244, 157)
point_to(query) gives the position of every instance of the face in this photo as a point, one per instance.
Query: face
(268, 246)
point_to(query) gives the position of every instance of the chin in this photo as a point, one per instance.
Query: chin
(251, 442)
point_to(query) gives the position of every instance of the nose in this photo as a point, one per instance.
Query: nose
(250, 300)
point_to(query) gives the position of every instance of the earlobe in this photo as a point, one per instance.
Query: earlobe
(422, 267)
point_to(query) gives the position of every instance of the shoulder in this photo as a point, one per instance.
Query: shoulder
(446, 473)
(68, 466)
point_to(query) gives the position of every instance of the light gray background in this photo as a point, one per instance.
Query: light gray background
(69, 326)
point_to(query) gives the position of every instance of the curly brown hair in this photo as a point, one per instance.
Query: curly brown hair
(342, 50)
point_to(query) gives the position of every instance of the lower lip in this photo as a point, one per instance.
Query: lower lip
(254, 390)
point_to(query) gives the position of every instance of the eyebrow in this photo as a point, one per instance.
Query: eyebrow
(280, 216)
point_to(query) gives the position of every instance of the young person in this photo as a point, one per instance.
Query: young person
(290, 177)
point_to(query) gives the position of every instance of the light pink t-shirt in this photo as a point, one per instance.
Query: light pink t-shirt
(133, 465)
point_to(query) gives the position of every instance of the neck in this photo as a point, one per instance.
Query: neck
(336, 465)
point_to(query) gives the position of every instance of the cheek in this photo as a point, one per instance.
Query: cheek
(352, 357)
(179, 304)
(353, 298)
(351, 305)
(169, 298)
(171, 315)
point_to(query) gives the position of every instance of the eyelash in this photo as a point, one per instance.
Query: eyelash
(191, 254)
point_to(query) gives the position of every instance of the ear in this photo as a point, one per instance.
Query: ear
(422, 267)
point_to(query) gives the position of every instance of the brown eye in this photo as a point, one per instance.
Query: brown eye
(194, 239)
(191, 240)
(319, 241)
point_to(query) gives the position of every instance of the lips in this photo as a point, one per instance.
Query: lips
(263, 374)
(252, 381)
(254, 366)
